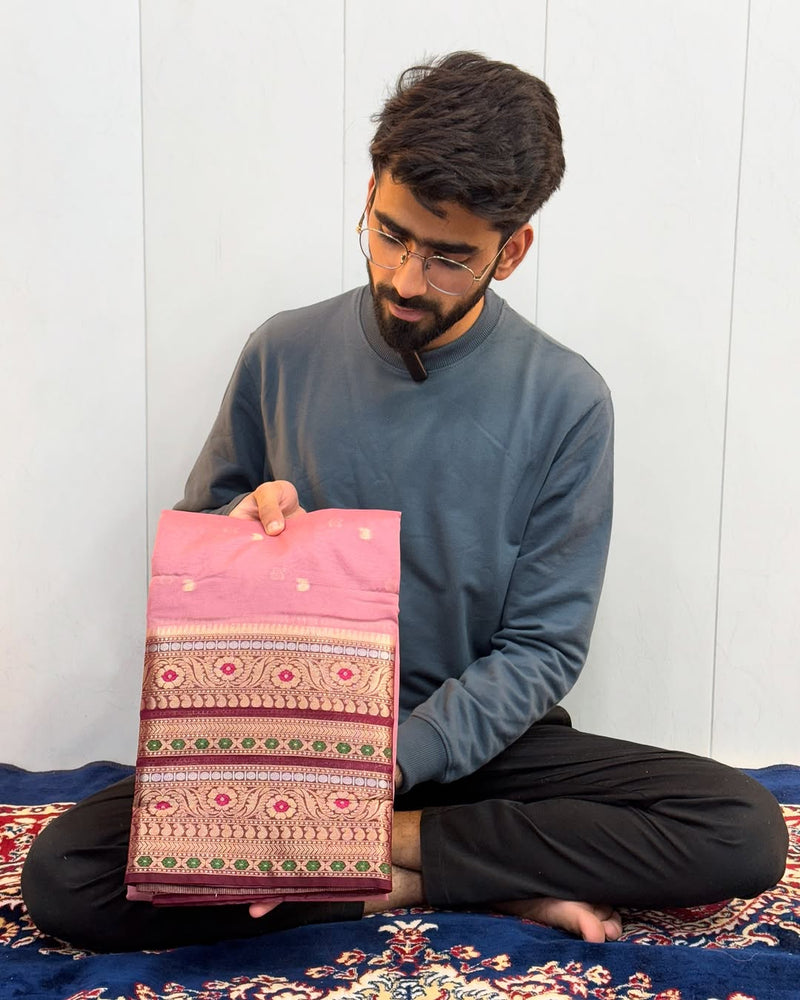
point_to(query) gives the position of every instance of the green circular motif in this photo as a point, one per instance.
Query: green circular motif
(193, 862)
(144, 861)
(362, 866)
(178, 744)
(319, 746)
(386, 869)
(387, 751)
(169, 862)
(343, 747)
(225, 743)
(154, 744)
(367, 750)
(289, 866)
(201, 744)
(265, 866)
(217, 863)
(313, 866)
(271, 744)
(240, 865)
(337, 866)
(295, 744)
(248, 742)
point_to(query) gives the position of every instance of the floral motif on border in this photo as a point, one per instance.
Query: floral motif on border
(265, 762)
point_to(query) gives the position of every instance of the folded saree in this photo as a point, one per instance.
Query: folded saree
(268, 717)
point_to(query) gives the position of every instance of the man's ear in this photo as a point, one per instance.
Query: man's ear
(515, 251)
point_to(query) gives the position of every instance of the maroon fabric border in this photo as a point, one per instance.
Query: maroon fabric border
(266, 713)
(351, 883)
(220, 760)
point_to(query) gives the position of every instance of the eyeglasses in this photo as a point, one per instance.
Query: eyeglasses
(445, 275)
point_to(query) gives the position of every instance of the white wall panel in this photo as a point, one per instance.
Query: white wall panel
(242, 108)
(635, 272)
(72, 502)
(381, 43)
(256, 126)
(757, 677)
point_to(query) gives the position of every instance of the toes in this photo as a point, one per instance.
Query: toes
(613, 926)
(591, 929)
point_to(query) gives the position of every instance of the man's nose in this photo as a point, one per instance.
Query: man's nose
(409, 279)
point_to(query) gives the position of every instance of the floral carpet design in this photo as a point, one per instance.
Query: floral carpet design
(738, 950)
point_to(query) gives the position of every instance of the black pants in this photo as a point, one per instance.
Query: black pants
(559, 813)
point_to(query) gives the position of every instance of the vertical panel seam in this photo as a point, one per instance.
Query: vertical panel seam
(344, 145)
(734, 261)
(541, 210)
(144, 312)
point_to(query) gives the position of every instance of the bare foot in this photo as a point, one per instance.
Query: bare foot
(592, 921)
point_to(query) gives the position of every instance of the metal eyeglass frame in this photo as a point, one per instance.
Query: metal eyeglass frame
(361, 228)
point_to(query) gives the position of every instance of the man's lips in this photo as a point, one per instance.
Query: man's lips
(409, 315)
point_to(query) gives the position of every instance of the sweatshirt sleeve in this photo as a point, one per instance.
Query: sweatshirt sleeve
(233, 460)
(540, 647)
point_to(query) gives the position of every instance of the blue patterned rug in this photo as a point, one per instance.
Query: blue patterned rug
(733, 951)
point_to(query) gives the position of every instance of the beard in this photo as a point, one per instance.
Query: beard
(406, 336)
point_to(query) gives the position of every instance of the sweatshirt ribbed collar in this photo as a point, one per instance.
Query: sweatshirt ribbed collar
(441, 357)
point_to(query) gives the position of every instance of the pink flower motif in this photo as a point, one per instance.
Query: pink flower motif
(222, 798)
(287, 675)
(280, 806)
(338, 803)
(345, 672)
(227, 666)
(168, 677)
(161, 807)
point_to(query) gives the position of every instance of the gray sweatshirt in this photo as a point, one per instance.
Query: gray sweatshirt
(501, 464)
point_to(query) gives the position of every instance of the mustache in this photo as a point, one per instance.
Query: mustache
(416, 302)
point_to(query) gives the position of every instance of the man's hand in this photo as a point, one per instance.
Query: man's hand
(271, 504)
(398, 777)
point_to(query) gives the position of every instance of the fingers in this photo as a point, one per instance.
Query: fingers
(257, 910)
(270, 503)
(276, 502)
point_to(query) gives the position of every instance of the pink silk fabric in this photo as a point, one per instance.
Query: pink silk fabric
(269, 710)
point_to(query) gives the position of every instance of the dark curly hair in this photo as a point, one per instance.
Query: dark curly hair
(469, 130)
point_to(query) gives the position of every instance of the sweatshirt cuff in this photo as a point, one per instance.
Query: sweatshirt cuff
(421, 753)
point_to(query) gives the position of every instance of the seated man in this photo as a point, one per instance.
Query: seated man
(425, 393)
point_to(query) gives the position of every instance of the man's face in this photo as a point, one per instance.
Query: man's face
(411, 315)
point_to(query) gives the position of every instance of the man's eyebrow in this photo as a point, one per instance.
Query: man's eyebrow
(437, 245)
